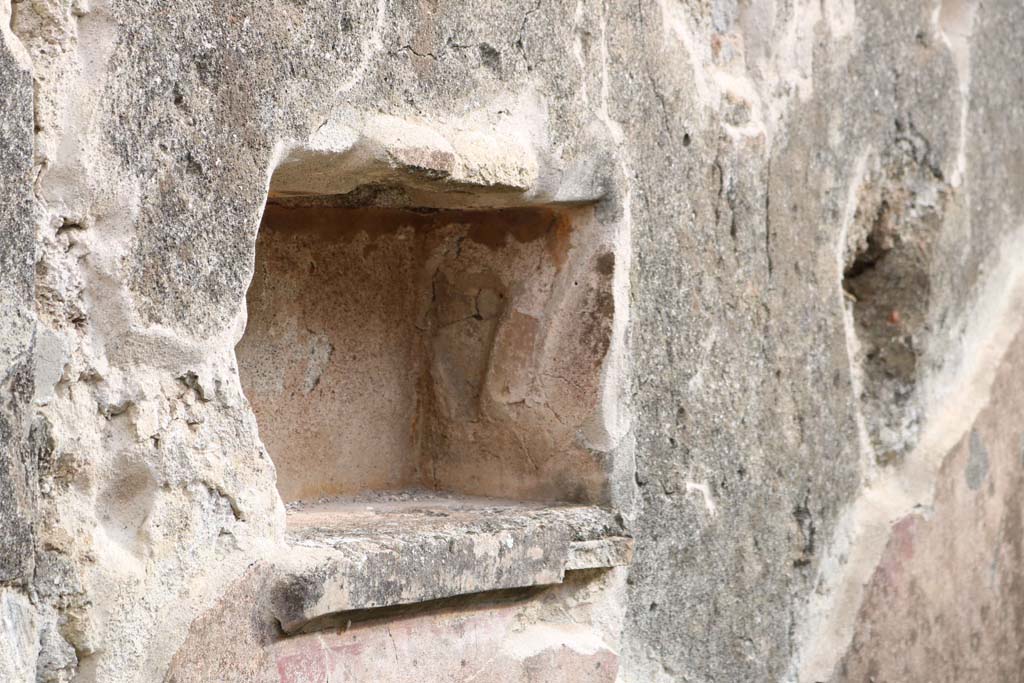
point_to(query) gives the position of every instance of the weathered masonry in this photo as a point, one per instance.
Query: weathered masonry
(533, 341)
(425, 355)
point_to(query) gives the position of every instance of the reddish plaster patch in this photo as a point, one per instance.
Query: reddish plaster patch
(302, 662)
(899, 552)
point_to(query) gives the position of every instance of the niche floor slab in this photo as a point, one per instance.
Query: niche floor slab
(384, 550)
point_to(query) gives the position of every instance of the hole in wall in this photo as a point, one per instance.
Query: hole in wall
(888, 283)
(391, 349)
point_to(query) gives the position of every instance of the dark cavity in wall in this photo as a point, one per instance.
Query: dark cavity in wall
(888, 280)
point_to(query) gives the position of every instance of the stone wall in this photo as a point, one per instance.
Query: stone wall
(18, 469)
(754, 402)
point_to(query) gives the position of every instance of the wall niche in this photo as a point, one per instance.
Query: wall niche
(427, 355)
(396, 349)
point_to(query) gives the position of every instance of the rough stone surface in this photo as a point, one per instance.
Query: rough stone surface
(17, 294)
(787, 378)
(348, 555)
(20, 647)
(18, 479)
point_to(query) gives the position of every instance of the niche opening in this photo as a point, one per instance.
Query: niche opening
(393, 349)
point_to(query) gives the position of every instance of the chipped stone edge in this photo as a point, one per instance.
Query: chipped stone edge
(315, 583)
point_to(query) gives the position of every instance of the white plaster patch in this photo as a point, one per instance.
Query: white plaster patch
(538, 638)
(705, 492)
(50, 357)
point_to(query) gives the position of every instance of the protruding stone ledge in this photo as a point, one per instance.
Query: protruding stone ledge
(343, 154)
(388, 550)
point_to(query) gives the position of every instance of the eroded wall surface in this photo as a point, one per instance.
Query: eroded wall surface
(18, 476)
(806, 414)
